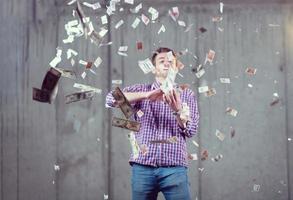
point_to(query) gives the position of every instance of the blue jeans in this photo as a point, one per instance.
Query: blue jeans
(148, 181)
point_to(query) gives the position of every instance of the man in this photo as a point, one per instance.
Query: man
(161, 166)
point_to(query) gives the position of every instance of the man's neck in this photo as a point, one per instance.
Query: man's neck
(160, 79)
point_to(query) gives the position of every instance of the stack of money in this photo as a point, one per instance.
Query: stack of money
(49, 89)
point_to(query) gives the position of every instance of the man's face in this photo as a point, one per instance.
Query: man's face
(163, 62)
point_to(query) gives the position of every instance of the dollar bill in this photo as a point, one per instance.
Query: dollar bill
(51, 79)
(41, 95)
(49, 90)
(67, 73)
(220, 135)
(87, 88)
(231, 111)
(126, 124)
(146, 65)
(123, 102)
(170, 140)
(251, 70)
(134, 145)
(79, 96)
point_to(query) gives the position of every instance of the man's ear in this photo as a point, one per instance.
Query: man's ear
(179, 64)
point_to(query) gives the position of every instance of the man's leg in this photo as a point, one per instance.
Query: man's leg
(173, 182)
(143, 181)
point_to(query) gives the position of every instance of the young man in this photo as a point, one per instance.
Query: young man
(161, 166)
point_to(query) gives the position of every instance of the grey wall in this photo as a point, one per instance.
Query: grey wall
(92, 155)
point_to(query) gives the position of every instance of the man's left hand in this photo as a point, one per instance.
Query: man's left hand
(173, 100)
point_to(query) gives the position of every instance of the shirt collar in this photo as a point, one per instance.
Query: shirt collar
(155, 85)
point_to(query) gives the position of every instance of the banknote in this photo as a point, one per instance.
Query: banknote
(123, 102)
(79, 96)
(126, 124)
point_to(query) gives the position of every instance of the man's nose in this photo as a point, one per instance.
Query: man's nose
(166, 63)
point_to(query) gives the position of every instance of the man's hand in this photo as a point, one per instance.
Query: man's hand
(173, 100)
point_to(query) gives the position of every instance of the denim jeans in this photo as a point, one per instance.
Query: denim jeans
(148, 181)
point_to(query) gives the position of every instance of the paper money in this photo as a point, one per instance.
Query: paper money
(104, 19)
(139, 45)
(231, 111)
(168, 83)
(136, 9)
(57, 58)
(123, 48)
(154, 13)
(181, 23)
(203, 89)
(123, 102)
(220, 135)
(210, 57)
(170, 140)
(117, 82)
(195, 143)
(192, 156)
(221, 7)
(256, 188)
(146, 65)
(135, 23)
(217, 19)
(162, 29)
(250, 70)
(200, 73)
(225, 80)
(145, 19)
(67, 73)
(126, 124)
(202, 29)
(204, 155)
(174, 13)
(129, 1)
(210, 92)
(51, 79)
(134, 145)
(119, 24)
(79, 96)
(217, 158)
(87, 88)
(41, 95)
(185, 112)
(98, 61)
(49, 89)
(70, 53)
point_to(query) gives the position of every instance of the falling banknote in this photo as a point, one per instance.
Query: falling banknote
(170, 140)
(123, 102)
(49, 88)
(79, 96)
(126, 124)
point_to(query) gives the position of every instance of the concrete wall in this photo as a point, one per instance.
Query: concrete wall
(92, 155)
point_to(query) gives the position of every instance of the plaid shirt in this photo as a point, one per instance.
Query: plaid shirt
(159, 123)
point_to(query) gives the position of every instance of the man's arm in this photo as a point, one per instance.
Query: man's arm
(133, 95)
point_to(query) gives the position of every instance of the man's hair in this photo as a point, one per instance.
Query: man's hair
(161, 50)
